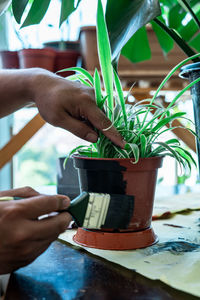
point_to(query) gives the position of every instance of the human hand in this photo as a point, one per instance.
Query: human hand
(23, 236)
(71, 105)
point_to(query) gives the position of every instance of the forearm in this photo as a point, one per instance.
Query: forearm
(16, 89)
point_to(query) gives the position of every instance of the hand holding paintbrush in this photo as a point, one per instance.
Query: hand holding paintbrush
(96, 211)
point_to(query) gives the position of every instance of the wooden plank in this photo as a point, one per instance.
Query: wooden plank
(18, 140)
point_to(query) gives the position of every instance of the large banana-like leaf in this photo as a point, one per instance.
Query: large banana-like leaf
(39, 8)
(137, 48)
(18, 8)
(125, 17)
(36, 12)
(67, 8)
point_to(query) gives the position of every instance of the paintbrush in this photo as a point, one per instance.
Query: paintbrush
(96, 211)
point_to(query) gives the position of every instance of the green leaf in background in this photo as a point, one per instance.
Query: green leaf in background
(188, 30)
(165, 41)
(67, 8)
(195, 43)
(187, 7)
(137, 48)
(104, 52)
(177, 38)
(175, 16)
(18, 8)
(125, 17)
(36, 12)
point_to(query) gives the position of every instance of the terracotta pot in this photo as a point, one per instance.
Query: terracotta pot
(157, 62)
(66, 59)
(192, 72)
(42, 58)
(121, 176)
(9, 59)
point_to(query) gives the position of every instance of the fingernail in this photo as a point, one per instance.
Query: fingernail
(65, 203)
(91, 137)
(123, 144)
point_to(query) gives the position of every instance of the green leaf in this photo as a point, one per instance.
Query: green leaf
(81, 71)
(67, 8)
(72, 152)
(97, 86)
(85, 82)
(175, 16)
(18, 8)
(134, 149)
(185, 5)
(143, 141)
(176, 37)
(79, 77)
(167, 120)
(36, 12)
(125, 17)
(105, 56)
(185, 154)
(168, 148)
(122, 153)
(75, 77)
(195, 42)
(165, 41)
(137, 48)
(120, 96)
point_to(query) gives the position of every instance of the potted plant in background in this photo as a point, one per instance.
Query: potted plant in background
(103, 167)
(50, 57)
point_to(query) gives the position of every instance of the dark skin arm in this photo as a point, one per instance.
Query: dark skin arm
(61, 102)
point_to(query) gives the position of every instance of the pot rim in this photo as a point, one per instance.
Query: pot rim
(187, 69)
(117, 159)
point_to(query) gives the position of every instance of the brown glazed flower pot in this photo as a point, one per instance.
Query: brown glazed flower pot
(66, 59)
(120, 176)
(9, 59)
(41, 58)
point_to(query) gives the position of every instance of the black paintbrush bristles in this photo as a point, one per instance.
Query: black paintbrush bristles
(119, 212)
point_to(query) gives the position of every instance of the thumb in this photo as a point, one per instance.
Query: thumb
(43, 204)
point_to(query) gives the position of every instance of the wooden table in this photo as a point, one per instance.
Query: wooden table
(63, 272)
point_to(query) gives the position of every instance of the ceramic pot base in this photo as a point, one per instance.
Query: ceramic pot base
(115, 241)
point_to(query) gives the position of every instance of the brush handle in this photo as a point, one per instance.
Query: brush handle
(8, 198)
(77, 208)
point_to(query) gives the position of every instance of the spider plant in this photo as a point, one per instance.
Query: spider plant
(143, 124)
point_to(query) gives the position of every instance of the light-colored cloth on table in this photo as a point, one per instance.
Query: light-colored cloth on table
(166, 207)
(175, 259)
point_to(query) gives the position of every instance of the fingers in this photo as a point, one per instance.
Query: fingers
(24, 192)
(101, 122)
(78, 128)
(50, 228)
(34, 207)
(98, 119)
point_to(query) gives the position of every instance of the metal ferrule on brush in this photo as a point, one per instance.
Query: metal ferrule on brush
(96, 211)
